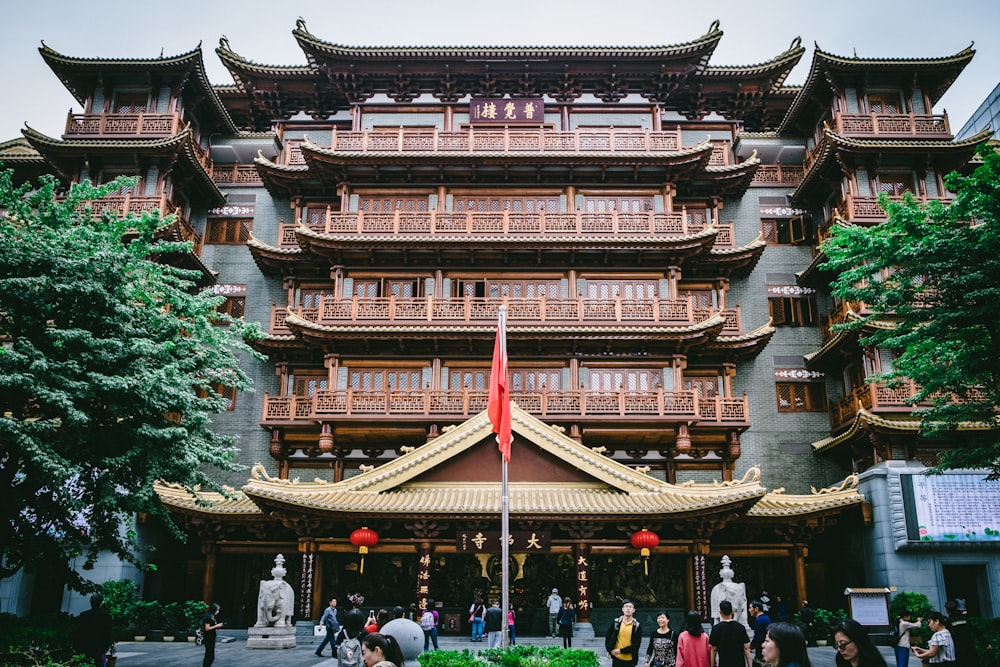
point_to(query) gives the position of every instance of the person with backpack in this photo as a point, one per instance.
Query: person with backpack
(902, 644)
(348, 643)
(624, 637)
(428, 623)
(477, 616)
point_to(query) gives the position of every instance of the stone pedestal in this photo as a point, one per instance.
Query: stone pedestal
(271, 637)
(409, 636)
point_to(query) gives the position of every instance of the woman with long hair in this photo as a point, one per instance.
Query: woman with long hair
(565, 620)
(380, 650)
(941, 646)
(785, 646)
(209, 625)
(692, 644)
(854, 647)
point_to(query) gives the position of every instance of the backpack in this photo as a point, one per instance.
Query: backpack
(894, 634)
(427, 620)
(349, 652)
(199, 637)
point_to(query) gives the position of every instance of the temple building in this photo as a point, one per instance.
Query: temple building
(651, 222)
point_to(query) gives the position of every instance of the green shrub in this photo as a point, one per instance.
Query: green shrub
(148, 616)
(916, 604)
(119, 599)
(194, 611)
(463, 658)
(521, 655)
(990, 629)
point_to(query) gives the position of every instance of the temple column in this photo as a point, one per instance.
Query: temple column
(801, 551)
(208, 583)
(583, 582)
(424, 552)
(699, 579)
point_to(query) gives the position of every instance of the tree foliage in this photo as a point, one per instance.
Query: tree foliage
(930, 275)
(109, 366)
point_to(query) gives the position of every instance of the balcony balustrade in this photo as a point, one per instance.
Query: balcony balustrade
(541, 140)
(447, 223)
(778, 175)
(468, 310)
(146, 125)
(346, 403)
(876, 397)
(236, 174)
(914, 125)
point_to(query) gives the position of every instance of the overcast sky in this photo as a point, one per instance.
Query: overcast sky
(754, 31)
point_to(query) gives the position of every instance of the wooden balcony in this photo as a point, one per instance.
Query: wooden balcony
(447, 223)
(236, 174)
(119, 125)
(838, 315)
(877, 397)
(130, 203)
(462, 311)
(533, 141)
(778, 175)
(681, 406)
(912, 125)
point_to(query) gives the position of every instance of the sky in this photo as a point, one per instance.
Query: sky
(754, 31)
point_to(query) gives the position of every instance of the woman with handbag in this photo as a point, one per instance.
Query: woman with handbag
(662, 649)
(477, 616)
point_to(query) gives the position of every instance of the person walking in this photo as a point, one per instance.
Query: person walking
(510, 626)
(729, 644)
(624, 637)
(692, 644)
(662, 648)
(428, 623)
(329, 621)
(210, 624)
(93, 631)
(902, 649)
(477, 616)
(760, 622)
(554, 604)
(494, 624)
(567, 617)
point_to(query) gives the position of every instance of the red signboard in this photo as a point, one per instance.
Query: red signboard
(506, 111)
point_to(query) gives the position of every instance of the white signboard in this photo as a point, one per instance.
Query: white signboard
(952, 508)
(870, 608)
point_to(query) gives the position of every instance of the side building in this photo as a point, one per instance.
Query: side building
(651, 222)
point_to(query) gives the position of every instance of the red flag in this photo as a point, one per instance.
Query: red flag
(499, 404)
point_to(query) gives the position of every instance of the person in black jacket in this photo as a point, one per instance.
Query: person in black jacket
(624, 637)
(93, 631)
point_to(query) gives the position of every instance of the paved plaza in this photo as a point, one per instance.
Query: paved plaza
(236, 654)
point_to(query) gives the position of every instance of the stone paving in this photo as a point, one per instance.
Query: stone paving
(234, 653)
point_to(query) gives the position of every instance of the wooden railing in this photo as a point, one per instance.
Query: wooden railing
(778, 174)
(680, 405)
(925, 126)
(541, 310)
(123, 124)
(838, 315)
(409, 139)
(130, 203)
(236, 174)
(509, 223)
(875, 397)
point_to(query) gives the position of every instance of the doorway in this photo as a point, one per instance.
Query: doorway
(970, 582)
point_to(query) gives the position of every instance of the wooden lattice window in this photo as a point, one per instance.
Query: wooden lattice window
(535, 379)
(706, 386)
(624, 289)
(227, 393)
(466, 203)
(895, 183)
(130, 102)
(314, 214)
(384, 379)
(793, 311)
(629, 379)
(307, 384)
(701, 297)
(391, 204)
(313, 298)
(228, 231)
(620, 204)
(234, 306)
(801, 396)
(884, 102)
(530, 289)
(786, 231)
(403, 288)
(473, 379)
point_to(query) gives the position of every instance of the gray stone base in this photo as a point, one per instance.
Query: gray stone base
(271, 638)
(583, 630)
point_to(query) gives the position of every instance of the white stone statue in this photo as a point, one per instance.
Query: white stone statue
(727, 589)
(276, 600)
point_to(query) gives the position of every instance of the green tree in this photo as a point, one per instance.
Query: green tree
(931, 276)
(109, 366)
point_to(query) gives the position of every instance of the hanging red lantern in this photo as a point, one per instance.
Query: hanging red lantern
(644, 540)
(363, 538)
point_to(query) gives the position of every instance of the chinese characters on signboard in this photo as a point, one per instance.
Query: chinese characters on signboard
(502, 111)
(488, 541)
(951, 508)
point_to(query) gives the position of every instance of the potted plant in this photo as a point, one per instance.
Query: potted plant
(194, 612)
(825, 619)
(173, 621)
(119, 599)
(148, 620)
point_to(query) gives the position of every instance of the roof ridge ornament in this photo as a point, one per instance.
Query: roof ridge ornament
(850, 482)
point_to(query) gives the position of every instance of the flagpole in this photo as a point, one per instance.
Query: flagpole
(504, 507)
